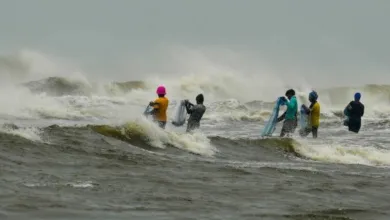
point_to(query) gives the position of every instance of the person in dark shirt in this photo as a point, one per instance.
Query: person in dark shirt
(196, 112)
(354, 111)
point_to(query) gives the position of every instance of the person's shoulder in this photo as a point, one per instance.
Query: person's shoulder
(162, 99)
(200, 106)
(294, 99)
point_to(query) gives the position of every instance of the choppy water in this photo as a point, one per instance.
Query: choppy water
(77, 150)
(76, 173)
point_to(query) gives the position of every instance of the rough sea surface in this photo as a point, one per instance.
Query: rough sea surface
(70, 152)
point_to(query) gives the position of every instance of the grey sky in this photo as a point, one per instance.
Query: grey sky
(347, 39)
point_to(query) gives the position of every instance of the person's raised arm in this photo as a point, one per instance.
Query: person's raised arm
(189, 106)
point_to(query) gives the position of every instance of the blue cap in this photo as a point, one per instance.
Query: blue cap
(313, 95)
(357, 96)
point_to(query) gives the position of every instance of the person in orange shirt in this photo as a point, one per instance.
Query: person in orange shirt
(160, 106)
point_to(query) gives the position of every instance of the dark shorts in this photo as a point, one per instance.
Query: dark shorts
(289, 126)
(354, 125)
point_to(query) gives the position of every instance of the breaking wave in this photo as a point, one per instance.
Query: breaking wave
(146, 135)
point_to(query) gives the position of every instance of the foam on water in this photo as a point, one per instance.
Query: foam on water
(227, 90)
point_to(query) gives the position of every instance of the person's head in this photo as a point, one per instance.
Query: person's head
(199, 99)
(357, 96)
(290, 93)
(161, 92)
(313, 96)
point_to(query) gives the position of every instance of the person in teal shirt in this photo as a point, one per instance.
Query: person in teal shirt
(290, 115)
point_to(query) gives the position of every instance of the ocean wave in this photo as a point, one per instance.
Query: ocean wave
(59, 86)
(146, 135)
(72, 86)
(332, 100)
(52, 89)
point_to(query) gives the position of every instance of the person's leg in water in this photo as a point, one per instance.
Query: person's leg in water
(354, 127)
(305, 132)
(288, 128)
(314, 131)
(191, 126)
(162, 124)
(284, 130)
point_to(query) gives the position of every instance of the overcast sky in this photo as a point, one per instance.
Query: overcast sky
(339, 40)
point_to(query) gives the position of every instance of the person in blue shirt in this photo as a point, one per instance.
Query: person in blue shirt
(290, 115)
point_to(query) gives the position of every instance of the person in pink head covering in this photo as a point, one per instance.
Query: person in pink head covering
(160, 106)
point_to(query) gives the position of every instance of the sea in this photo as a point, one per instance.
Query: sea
(74, 147)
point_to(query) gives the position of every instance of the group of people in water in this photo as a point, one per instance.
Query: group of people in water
(160, 106)
(354, 111)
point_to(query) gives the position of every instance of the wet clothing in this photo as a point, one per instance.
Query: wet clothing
(314, 120)
(289, 126)
(160, 106)
(355, 112)
(290, 117)
(314, 115)
(292, 108)
(196, 113)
